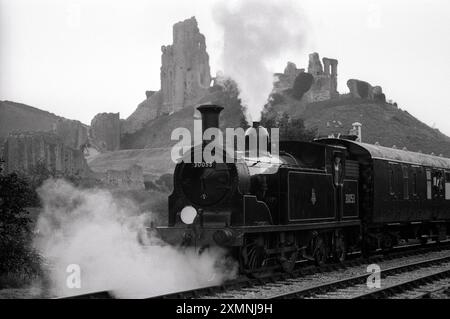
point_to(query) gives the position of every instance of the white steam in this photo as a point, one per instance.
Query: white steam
(107, 238)
(256, 34)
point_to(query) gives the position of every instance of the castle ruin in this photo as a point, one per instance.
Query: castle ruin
(363, 90)
(73, 133)
(324, 86)
(131, 178)
(185, 72)
(24, 151)
(105, 131)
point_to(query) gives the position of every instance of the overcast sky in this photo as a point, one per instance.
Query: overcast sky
(77, 58)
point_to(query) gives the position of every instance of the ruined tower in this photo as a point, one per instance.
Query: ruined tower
(324, 86)
(105, 131)
(185, 72)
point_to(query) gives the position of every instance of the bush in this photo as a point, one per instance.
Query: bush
(290, 128)
(227, 94)
(277, 98)
(16, 252)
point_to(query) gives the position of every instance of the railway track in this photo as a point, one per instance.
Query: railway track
(431, 292)
(397, 280)
(278, 285)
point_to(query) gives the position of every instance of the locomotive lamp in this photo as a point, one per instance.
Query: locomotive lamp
(188, 215)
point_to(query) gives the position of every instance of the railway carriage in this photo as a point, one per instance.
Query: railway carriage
(404, 195)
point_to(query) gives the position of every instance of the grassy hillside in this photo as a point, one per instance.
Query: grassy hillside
(156, 133)
(381, 122)
(17, 116)
(154, 161)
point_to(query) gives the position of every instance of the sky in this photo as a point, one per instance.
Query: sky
(76, 58)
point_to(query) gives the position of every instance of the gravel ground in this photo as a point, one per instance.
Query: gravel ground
(440, 285)
(21, 293)
(308, 281)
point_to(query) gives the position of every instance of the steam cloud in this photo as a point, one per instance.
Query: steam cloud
(107, 238)
(255, 34)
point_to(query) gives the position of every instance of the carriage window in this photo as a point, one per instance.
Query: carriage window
(447, 185)
(414, 183)
(428, 184)
(437, 178)
(391, 181)
(405, 182)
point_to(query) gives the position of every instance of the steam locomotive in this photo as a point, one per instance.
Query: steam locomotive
(316, 201)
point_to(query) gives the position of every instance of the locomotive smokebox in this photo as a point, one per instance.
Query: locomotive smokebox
(210, 116)
(257, 140)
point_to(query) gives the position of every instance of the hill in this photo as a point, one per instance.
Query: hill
(381, 122)
(157, 132)
(17, 116)
(154, 161)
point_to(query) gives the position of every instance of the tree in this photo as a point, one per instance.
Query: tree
(16, 252)
(226, 93)
(298, 132)
(291, 129)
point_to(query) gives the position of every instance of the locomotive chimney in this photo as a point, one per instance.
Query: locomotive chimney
(210, 116)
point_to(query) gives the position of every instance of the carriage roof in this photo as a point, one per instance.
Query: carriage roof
(391, 154)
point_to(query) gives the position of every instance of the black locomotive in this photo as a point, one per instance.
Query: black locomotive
(316, 200)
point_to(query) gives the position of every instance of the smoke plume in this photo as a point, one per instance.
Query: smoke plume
(256, 33)
(108, 239)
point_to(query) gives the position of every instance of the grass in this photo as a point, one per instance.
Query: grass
(16, 280)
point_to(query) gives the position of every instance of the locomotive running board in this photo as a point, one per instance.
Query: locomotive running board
(292, 227)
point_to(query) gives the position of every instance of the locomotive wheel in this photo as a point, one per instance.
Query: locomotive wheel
(252, 258)
(288, 264)
(340, 250)
(423, 240)
(387, 242)
(320, 252)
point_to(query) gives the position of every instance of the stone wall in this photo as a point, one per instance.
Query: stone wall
(23, 151)
(363, 90)
(286, 79)
(105, 131)
(185, 72)
(324, 86)
(131, 178)
(73, 133)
